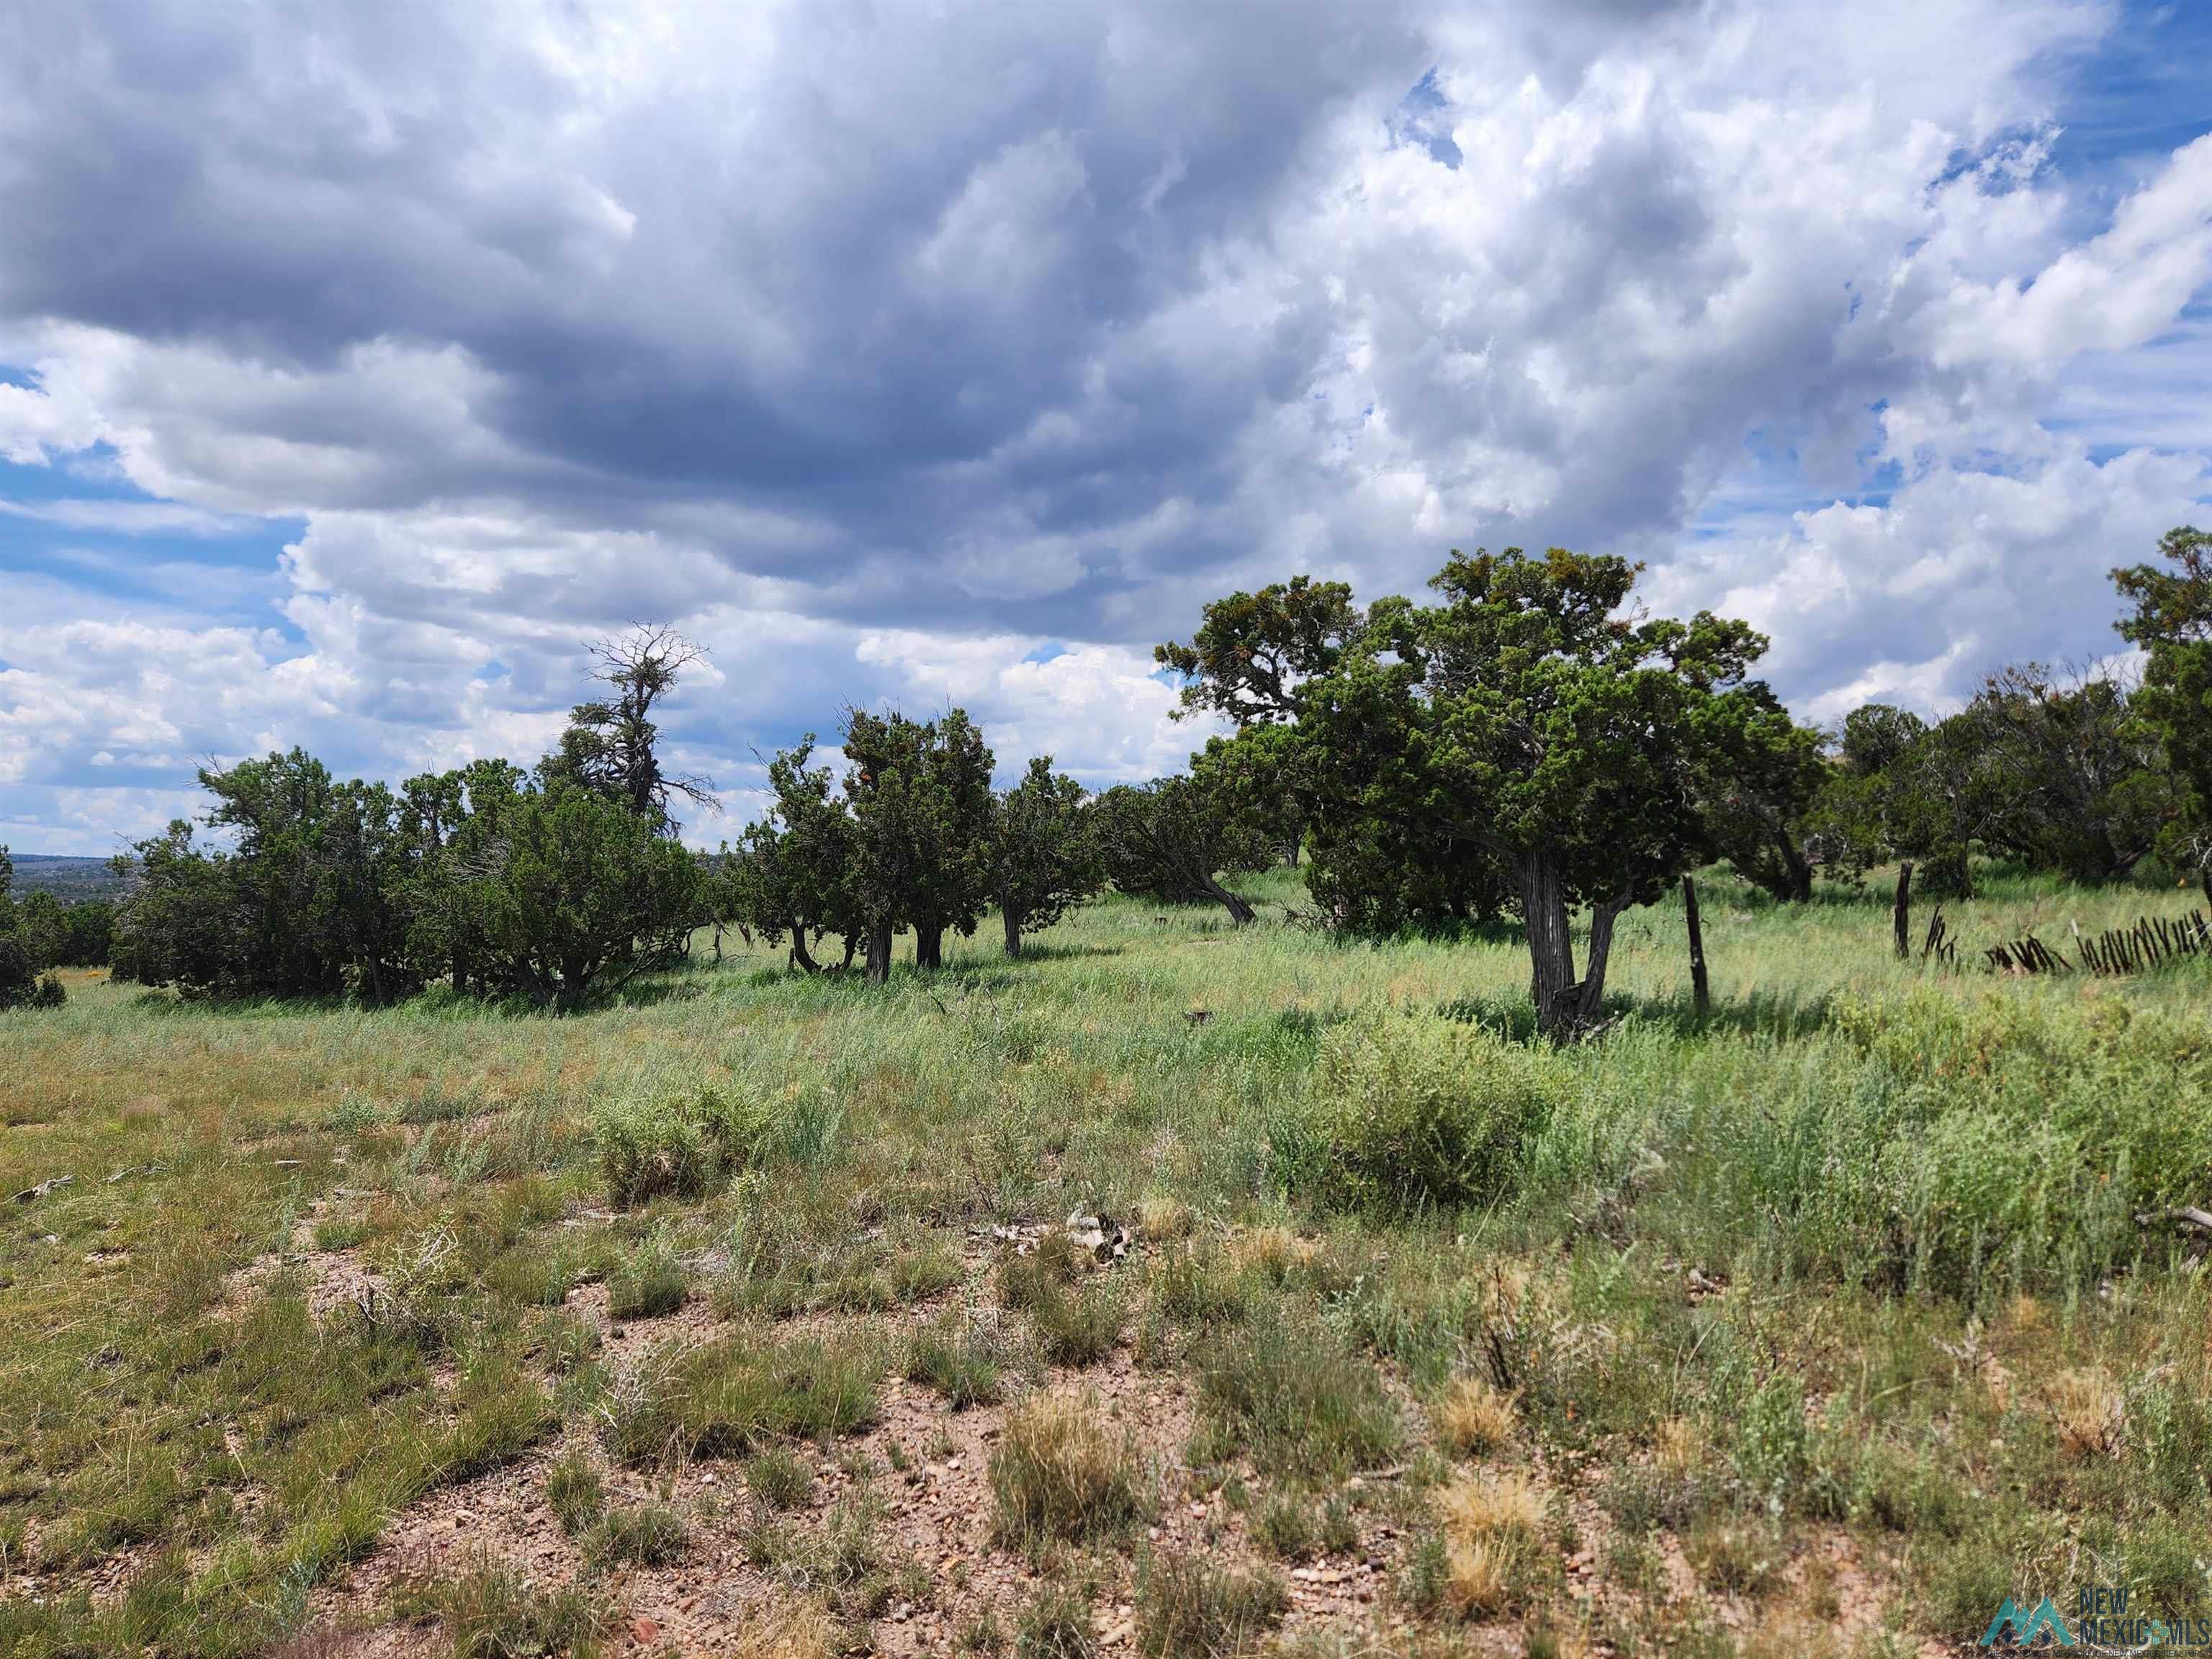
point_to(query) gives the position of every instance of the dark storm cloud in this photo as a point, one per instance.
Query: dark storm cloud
(875, 344)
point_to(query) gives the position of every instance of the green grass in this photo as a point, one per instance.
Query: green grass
(648, 1536)
(958, 1360)
(1925, 1317)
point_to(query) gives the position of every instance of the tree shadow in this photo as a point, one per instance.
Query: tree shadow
(1783, 1015)
(1057, 953)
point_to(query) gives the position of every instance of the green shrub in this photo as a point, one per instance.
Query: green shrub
(1427, 1110)
(669, 1142)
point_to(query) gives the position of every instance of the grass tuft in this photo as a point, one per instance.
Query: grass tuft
(1060, 1473)
(1475, 1416)
(1188, 1607)
(1494, 1525)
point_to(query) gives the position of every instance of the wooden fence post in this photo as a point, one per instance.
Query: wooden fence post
(1698, 987)
(1903, 916)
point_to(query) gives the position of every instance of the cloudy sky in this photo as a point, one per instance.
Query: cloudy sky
(358, 364)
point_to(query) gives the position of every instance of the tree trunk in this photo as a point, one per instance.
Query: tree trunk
(1013, 931)
(718, 941)
(801, 956)
(1591, 998)
(1565, 1006)
(1239, 911)
(1552, 983)
(928, 946)
(1796, 873)
(852, 950)
(1701, 990)
(1901, 912)
(879, 953)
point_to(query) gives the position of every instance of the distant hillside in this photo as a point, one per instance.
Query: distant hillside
(64, 877)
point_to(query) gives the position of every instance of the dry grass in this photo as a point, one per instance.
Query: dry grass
(1493, 1525)
(2089, 1410)
(788, 1628)
(1475, 1416)
(1273, 1252)
(1059, 1472)
(1677, 1449)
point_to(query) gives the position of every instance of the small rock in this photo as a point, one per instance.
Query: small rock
(644, 1628)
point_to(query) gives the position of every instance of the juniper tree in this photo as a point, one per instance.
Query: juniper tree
(1252, 651)
(2068, 778)
(790, 877)
(1042, 858)
(1171, 840)
(613, 744)
(1529, 721)
(1761, 774)
(920, 798)
(2171, 624)
(570, 892)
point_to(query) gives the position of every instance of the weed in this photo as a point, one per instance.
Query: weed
(1023, 1279)
(1289, 1391)
(489, 1612)
(1078, 1327)
(1055, 1625)
(725, 1398)
(651, 1283)
(1285, 1527)
(1735, 1556)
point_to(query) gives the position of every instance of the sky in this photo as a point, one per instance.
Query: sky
(361, 363)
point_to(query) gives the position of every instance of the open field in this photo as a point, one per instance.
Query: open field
(1821, 1326)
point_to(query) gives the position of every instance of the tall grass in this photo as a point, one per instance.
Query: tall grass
(1856, 1140)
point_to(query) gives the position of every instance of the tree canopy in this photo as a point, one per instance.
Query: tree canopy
(919, 792)
(1529, 721)
(2172, 625)
(1043, 856)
